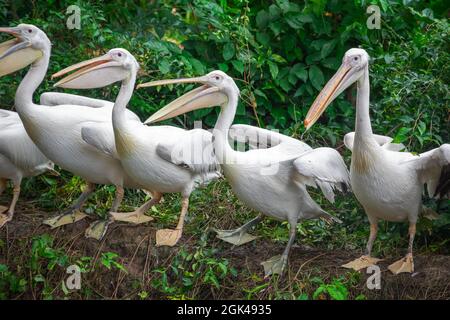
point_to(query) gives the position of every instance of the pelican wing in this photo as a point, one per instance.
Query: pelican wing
(433, 168)
(61, 99)
(325, 168)
(9, 118)
(10, 127)
(100, 135)
(384, 141)
(58, 98)
(259, 138)
(15, 144)
(194, 151)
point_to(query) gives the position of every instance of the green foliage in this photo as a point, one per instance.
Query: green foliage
(281, 54)
(109, 260)
(10, 284)
(337, 289)
(192, 269)
(42, 251)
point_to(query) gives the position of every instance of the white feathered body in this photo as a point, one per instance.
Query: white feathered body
(56, 130)
(389, 184)
(19, 156)
(278, 196)
(273, 180)
(139, 149)
(387, 189)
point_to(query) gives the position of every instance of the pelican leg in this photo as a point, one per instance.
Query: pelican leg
(97, 229)
(4, 218)
(73, 213)
(3, 183)
(277, 264)
(169, 237)
(366, 260)
(138, 216)
(406, 264)
(239, 236)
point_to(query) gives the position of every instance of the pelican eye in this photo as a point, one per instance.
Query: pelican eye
(30, 31)
(119, 54)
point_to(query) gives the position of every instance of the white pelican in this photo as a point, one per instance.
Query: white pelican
(19, 158)
(155, 157)
(272, 180)
(69, 135)
(388, 183)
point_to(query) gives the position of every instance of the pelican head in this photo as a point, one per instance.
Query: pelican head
(353, 67)
(48, 167)
(28, 47)
(116, 65)
(216, 87)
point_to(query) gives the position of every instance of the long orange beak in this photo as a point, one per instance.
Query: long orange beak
(17, 53)
(326, 96)
(82, 68)
(202, 97)
(11, 30)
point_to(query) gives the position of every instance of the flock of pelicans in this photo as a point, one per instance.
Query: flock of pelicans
(105, 143)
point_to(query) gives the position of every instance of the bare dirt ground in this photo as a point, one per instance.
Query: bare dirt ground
(135, 246)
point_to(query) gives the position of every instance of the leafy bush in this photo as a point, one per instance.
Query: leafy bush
(281, 53)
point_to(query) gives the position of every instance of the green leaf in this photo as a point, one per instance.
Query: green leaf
(238, 65)
(300, 71)
(327, 48)
(260, 93)
(384, 4)
(318, 6)
(263, 38)
(273, 67)
(422, 127)
(199, 68)
(224, 68)
(228, 51)
(316, 77)
(277, 58)
(318, 291)
(39, 278)
(292, 78)
(336, 294)
(294, 21)
(275, 27)
(300, 91)
(285, 85)
(284, 5)
(305, 18)
(402, 135)
(274, 11)
(313, 58)
(303, 296)
(262, 19)
(200, 113)
(388, 58)
(331, 63)
(164, 66)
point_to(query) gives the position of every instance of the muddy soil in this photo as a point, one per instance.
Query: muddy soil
(135, 246)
